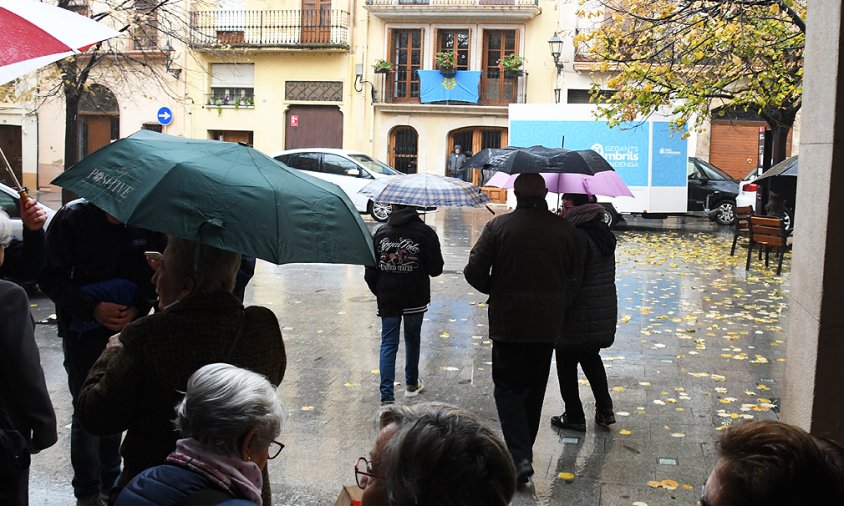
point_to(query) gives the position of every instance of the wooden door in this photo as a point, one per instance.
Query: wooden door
(313, 126)
(316, 22)
(98, 133)
(498, 88)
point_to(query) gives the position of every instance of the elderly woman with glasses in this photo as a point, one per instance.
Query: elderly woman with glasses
(134, 384)
(229, 419)
(435, 455)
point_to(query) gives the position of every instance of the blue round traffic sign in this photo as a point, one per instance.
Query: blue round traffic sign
(165, 116)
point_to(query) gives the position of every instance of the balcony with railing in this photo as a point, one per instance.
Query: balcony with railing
(473, 10)
(496, 88)
(293, 28)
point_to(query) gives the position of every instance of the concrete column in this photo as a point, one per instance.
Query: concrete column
(813, 395)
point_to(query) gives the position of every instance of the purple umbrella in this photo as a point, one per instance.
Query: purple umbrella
(607, 183)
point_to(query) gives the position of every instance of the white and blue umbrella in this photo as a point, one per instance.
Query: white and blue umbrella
(425, 190)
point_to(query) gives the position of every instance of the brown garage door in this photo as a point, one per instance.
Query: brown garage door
(313, 126)
(735, 146)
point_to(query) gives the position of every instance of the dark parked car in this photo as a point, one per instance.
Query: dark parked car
(712, 190)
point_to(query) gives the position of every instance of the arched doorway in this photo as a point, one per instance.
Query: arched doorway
(99, 119)
(404, 149)
(474, 139)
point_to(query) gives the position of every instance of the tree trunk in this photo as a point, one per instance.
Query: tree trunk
(71, 134)
(781, 121)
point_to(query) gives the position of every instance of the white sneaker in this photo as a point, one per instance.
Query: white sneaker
(414, 390)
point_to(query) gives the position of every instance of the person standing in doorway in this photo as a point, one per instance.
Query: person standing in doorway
(591, 319)
(455, 162)
(524, 260)
(408, 254)
(98, 277)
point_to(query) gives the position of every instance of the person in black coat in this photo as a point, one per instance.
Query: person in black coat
(591, 319)
(25, 404)
(98, 277)
(526, 261)
(408, 254)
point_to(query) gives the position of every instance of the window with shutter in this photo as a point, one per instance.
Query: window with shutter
(232, 81)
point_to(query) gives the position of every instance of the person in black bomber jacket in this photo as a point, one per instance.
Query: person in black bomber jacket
(408, 252)
(591, 319)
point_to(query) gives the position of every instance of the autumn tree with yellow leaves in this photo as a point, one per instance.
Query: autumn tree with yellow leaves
(699, 57)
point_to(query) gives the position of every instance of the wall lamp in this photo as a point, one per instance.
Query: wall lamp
(555, 44)
(168, 60)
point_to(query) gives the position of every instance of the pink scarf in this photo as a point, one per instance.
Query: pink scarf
(233, 475)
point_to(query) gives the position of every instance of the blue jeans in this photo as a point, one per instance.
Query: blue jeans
(390, 346)
(95, 460)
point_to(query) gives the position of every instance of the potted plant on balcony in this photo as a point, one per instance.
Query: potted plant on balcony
(511, 65)
(446, 61)
(383, 66)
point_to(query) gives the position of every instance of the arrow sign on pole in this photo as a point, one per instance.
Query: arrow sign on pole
(165, 116)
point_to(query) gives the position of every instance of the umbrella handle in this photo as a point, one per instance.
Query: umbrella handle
(489, 209)
(24, 197)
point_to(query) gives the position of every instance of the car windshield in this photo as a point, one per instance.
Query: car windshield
(374, 165)
(712, 172)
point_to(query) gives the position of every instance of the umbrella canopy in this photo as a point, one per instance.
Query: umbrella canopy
(787, 167)
(513, 160)
(223, 194)
(425, 190)
(606, 183)
(33, 34)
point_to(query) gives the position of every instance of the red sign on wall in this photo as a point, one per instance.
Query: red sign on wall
(294, 120)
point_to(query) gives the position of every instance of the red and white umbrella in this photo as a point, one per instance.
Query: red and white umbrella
(33, 34)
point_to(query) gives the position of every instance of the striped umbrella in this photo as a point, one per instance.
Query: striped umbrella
(34, 34)
(425, 190)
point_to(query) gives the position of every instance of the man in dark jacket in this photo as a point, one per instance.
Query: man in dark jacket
(591, 318)
(408, 252)
(524, 261)
(96, 274)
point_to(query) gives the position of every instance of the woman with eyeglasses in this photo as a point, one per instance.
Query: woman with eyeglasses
(229, 419)
(435, 455)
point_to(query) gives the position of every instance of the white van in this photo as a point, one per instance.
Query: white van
(350, 170)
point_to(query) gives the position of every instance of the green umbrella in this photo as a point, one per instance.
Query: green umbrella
(223, 194)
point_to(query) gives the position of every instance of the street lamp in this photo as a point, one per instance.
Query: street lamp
(168, 60)
(555, 43)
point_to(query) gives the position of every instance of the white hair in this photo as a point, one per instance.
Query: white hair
(223, 403)
(5, 229)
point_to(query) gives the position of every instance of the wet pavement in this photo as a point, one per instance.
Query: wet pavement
(700, 345)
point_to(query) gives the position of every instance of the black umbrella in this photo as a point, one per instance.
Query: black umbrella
(538, 159)
(787, 167)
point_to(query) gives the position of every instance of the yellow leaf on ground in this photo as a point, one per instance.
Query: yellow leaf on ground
(307, 408)
(618, 389)
(567, 476)
(625, 432)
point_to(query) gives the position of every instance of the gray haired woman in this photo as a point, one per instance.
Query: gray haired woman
(435, 455)
(229, 419)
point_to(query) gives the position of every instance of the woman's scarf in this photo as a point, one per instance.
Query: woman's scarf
(236, 476)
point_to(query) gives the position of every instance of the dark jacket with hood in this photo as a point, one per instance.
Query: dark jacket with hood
(525, 261)
(591, 318)
(408, 252)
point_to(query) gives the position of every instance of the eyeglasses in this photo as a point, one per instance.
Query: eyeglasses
(363, 472)
(274, 449)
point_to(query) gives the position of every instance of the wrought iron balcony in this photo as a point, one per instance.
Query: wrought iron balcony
(496, 88)
(504, 10)
(294, 28)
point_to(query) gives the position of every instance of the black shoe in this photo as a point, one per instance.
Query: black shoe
(524, 471)
(604, 419)
(563, 422)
